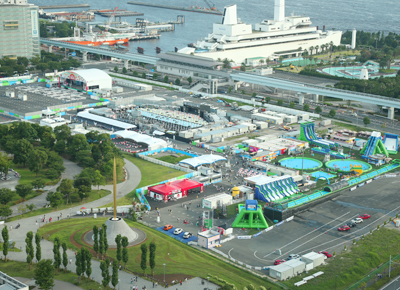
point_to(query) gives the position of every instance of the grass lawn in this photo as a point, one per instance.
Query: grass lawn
(10, 249)
(296, 69)
(21, 269)
(172, 159)
(147, 83)
(28, 176)
(94, 195)
(151, 173)
(354, 264)
(179, 258)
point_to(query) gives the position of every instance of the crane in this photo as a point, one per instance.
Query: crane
(210, 4)
(111, 19)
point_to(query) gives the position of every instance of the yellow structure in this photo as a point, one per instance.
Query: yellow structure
(235, 191)
(357, 168)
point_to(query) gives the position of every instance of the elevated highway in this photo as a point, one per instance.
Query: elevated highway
(303, 88)
(126, 56)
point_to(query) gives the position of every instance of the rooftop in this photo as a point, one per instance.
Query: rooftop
(189, 59)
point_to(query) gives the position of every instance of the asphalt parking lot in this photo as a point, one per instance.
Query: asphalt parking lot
(316, 228)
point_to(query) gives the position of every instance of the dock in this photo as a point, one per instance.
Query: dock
(189, 9)
(64, 6)
(118, 13)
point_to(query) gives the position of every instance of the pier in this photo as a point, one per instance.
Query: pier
(117, 13)
(64, 6)
(189, 9)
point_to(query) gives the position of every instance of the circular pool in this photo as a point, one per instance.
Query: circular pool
(299, 162)
(343, 165)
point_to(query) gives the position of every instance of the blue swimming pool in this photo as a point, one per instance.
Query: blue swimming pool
(344, 165)
(298, 163)
(318, 174)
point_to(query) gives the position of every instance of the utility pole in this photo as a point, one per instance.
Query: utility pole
(390, 261)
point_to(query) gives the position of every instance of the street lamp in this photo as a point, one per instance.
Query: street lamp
(208, 283)
(164, 272)
(119, 280)
(70, 212)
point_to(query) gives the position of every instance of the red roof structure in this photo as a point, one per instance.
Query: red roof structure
(187, 184)
(165, 189)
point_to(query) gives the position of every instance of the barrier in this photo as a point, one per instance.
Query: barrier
(353, 188)
(257, 234)
(289, 219)
(280, 223)
(244, 237)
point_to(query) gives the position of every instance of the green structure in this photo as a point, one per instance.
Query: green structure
(374, 146)
(250, 216)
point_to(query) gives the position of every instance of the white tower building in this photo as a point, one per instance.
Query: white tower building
(279, 12)
(353, 39)
(364, 74)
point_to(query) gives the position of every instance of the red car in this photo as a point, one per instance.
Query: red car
(345, 228)
(327, 254)
(167, 227)
(277, 262)
(365, 216)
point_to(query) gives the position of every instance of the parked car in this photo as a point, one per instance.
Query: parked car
(178, 231)
(293, 256)
(365, 216)
(358, 220)
(326, 253)
(277, 262)
(187, 235)
(344, 228)
(352, 224)
(167, 227)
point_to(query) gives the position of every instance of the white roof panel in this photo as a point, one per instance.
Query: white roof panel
(118, 124)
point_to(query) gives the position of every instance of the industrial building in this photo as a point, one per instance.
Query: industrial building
(9, 283)
(104, 122)
(219, 135)
(287, 270)
(19, 29)
(150, 143)
(313, 260)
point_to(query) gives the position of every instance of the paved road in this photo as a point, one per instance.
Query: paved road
(393, 285)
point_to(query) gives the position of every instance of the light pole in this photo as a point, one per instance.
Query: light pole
(164, 272)
(119, 280)
(70, 212)
(208, 283)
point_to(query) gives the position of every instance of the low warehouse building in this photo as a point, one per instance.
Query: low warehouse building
(297, 265)
(281, 272)
(313, 259)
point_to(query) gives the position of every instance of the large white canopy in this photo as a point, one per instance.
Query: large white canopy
(203, 159)
(151, 142)
(111, 122)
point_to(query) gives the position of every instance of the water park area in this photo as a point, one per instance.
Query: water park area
(318, 174)
(301, 163)
(346, 166)
(357, 71)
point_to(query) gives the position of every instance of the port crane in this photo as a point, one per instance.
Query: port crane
(210, 4)
(108, 26)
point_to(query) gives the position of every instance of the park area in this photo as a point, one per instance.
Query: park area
(181, 261)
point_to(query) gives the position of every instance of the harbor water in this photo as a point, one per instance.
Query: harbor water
(367, 15)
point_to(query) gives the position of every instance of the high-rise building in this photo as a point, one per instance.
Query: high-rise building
(19, 29)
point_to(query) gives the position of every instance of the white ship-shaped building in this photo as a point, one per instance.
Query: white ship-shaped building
(284, 36)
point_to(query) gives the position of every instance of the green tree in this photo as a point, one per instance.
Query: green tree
(23, 190)
(292, 105)
(280, 102)
(144, 75)
(6, 195)
(366, 121)
(332, 113)
(124, 70)
(83, 260)
(38, 247)
(83, 185)
(243, 67)
(105, 242)
(318, 110)
(36, 159)
(59, 147)
(66, 188)
(243, 92)
(253, 95)
(88, 257)
(267, 99)
(229, 89)
(55, 198)
(5, 211)
(30, 207)
(38, 183)
(125, 256)
(143, 259)
(135, 73)
(44, 275)
(78, 264)
(98, 179)
(21, 151)
(4, 234)
(115, 68)
(166, 79)
(189, 79)
(29, 248)
(105, 273)
(101, 243)
(4, 163)
(114, 278)
(306, 107)
(178, 82)
(119, 252)
(64, 256)
(95, 239)
(152, 258)
(62, 132)
(56, 252)
(155, 76)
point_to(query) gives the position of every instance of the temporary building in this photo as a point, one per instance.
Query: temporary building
(297, 265)
(165, 191)
(281, 272)
(202, 160)
(313, 258)
(187, 186)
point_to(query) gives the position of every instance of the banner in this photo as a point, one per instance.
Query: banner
(257, 234)
(34, 21)
(278, 224)
(368, 181)
(376, 177)
(244, 237)
(268, 229)
(353, 188)
(290, 218)
(361, 184)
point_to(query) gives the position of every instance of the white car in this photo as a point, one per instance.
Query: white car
(178, 231)
(358, 220)
(187, 235)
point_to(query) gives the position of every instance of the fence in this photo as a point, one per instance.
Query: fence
(166, 164)
(373, 275)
